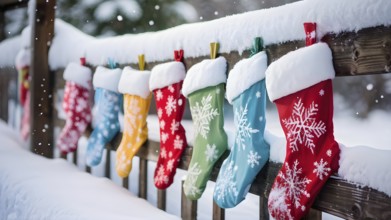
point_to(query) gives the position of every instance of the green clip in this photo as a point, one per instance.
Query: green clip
(257, 46)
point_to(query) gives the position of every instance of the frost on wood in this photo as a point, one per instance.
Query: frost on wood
(203, 114)
(192, 176)
(243, 126)
(303, 127)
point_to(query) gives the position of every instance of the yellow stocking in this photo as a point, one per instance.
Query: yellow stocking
(135, 131)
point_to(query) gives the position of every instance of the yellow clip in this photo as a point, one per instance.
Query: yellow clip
(141, 62)
(214, 47)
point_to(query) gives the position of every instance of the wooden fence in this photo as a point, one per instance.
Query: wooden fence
(366, 52)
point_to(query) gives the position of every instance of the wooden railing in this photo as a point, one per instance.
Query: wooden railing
(366, 52)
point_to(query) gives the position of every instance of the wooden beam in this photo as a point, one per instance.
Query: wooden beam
(2, 25)
(143, 179)
(188, 207)
(218, 213)
(161, 199)
(42, 80)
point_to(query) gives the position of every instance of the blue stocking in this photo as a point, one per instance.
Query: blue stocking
(108, 126)
(250, 151)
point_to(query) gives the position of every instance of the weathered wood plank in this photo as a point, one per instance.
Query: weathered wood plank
(88, 169)
(74, 157)
(263, 209)
(313, 215)
(2, 25)
(42, 80)
(161, 199)
(108, 162)
(218, 213)
(143, 177)
(125, 182)
(188, 207)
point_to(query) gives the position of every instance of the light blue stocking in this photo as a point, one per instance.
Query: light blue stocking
(108, 126)
(250, 151)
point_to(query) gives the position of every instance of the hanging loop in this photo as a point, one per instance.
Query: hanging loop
(178, 55)
(83, 61)
(257, 46)
(310, 33)
(214, 47)
(111, 63)
(141, 62)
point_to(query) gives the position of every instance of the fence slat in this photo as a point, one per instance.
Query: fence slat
(313, 215)
(74, 158)
(188, 207)
(263, 209)
(161, 199)
(125, 182)
(108, 162)
(218, 213)
(143, 177)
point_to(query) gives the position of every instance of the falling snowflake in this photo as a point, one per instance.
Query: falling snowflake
(321, 92)
(163, 153)
(243, 126)
(225, 183)
(253, 158)
(159, 95)
(277, 203)
(294, 184)
(178, 143)
(203, 114)
(170, 164)
(258, 94)
(162, 124)
(161, 177)
(170, 105)
(191, 179)
(329, 152)
(211, 152)
(131, 114)
(164, 137)
(302, 126)
(171, 89)
(160, 113)
(174, 126)
(321, 169)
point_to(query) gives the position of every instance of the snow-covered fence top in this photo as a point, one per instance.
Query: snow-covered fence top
(234, 33)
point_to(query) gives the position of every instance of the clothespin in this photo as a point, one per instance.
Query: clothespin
(111, 63)
(83, 61)
(178, 55)
(310, 33)
(257, 46)
(214, 47)
(141, 62)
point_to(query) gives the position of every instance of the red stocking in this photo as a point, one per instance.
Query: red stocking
(166, 84)
(300, 85)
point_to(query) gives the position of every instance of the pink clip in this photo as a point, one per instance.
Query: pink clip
(310, 33)
(83, 61)
(178, 55)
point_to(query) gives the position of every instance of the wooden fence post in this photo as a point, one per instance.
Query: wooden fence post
(42, 80)
(2, 25)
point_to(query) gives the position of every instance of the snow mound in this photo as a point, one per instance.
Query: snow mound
(33, 187)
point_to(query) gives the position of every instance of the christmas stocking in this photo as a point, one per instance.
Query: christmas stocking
(166, 84)
(22, 65)
(109, 105)
(300, 85)
(76, 105)
(137, 98)
(204, 87)
(250, 151)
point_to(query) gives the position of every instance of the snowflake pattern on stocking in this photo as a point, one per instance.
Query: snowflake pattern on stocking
(170, 105)
(178, 143)
(321, 169)
(295, 185)
(277, 203)
(253, 158)
(302, 126)
(243, 126)
(192, 176)
(170, 164)
(130, 124)
(164, 137)
(159, 95)
(203, 114)
(161, 177)
(226, 183)
(211, 152)
(174, 126)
